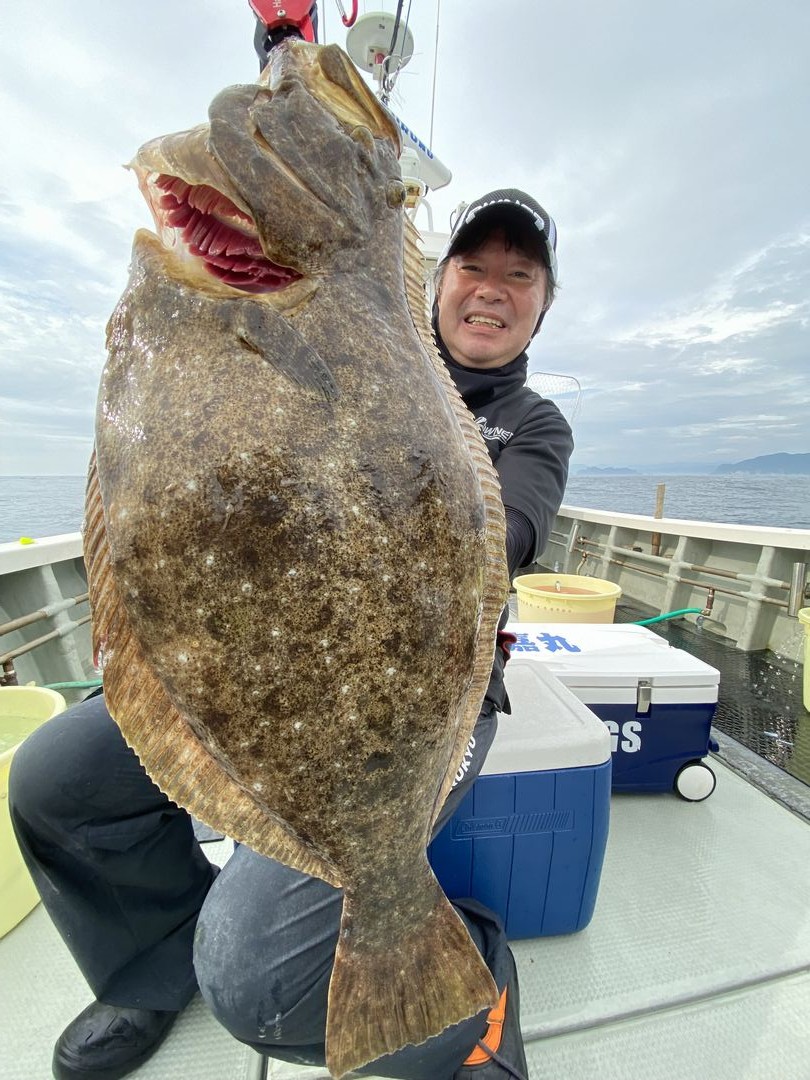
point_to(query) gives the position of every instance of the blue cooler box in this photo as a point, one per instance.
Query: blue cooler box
(529, 837)
(657, 701)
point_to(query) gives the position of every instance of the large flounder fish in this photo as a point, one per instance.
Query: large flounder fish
(294, 536)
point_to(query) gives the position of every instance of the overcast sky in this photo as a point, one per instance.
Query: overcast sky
(669, 141)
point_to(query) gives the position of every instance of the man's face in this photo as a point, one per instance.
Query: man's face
(489, 303)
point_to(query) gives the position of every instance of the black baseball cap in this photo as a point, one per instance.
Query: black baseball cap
(513, 201)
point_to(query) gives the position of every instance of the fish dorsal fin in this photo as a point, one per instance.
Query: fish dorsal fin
(171, 753)
(496, 590)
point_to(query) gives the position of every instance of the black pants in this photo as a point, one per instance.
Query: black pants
(139, 906)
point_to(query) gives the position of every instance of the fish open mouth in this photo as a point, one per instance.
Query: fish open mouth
(216, 232)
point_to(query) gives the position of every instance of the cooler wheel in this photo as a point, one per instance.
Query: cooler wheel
(695, 781)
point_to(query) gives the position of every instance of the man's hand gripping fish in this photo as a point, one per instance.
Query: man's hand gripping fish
(294, 536)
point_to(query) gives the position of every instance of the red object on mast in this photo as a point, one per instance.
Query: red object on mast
(279, 19)
(298, 15)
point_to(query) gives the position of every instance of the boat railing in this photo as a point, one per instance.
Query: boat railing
(44, 613)
(749, 582)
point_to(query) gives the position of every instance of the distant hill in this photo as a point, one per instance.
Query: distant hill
(592, 470)
(770, 463)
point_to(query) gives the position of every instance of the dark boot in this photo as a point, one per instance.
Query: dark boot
(106, 1042)
(499, 1053)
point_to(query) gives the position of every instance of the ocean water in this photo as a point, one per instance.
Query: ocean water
(737, 498)
(37, 506)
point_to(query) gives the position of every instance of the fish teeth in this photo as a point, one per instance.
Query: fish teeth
(179, 217)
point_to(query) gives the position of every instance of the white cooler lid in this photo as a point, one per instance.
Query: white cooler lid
(610, 655)
(549, 727)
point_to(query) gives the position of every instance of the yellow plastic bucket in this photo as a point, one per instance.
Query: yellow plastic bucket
(566, 598)
(22, 710)
(804, 618)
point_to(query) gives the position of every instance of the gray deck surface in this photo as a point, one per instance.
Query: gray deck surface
(696, 965)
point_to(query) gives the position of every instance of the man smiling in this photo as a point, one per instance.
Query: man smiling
(495, 281)
(494, 284)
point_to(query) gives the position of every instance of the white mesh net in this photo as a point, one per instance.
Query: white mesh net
(564, 390)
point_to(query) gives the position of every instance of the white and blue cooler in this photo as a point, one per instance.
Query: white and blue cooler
(528, 839)
(657, 701)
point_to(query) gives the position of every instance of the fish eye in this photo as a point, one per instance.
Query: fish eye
(395, 193)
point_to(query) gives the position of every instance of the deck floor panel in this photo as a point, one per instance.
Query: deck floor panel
(760, 1033)
(696, 963)
(694, 899)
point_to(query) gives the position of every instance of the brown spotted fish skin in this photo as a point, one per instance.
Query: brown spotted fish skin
(295, 540)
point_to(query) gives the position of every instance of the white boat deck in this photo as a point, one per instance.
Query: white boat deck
(696, 965)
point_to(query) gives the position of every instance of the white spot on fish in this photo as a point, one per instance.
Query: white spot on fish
(292, 572)
(257, 667)
(209, 560)
(298, 725)
(247, 588)
(275, 633)
(391, 671)
(264, 723)
(386, 577)
(324, 642)
(258, 787)
(182, 657)
(191, 485)
(419, 691)
(344, 689)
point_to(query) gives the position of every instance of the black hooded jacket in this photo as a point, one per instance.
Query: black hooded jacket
(530, 443)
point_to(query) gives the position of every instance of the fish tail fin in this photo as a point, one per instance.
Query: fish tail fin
(403, 986)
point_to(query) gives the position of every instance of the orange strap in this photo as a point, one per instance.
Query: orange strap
(493, 1036)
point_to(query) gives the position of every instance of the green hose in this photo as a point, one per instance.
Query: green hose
(669, 615)
(87, 685)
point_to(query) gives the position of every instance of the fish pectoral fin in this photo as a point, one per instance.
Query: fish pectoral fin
(263, 330)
